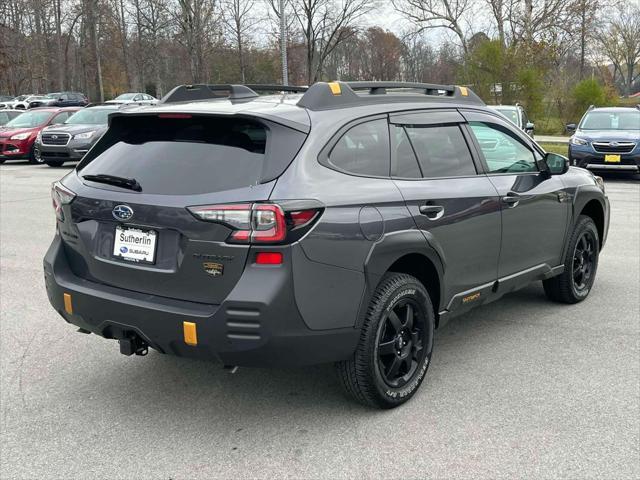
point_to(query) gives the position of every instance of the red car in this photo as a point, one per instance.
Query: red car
(18, 136)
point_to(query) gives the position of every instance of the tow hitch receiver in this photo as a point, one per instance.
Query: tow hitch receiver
(131, 345)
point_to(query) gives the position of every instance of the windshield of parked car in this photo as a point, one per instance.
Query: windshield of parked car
(611, 121)
(510, 113)
(126, 96)
(90, 116)
(29, 120)
(5, 117)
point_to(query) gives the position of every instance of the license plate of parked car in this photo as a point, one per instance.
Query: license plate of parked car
(135, 245)
(612, 158)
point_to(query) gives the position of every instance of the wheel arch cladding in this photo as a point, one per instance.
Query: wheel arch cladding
(594, 209)
(421, 267)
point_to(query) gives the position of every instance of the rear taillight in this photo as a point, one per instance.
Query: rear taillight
(60, 196)
(257, 222)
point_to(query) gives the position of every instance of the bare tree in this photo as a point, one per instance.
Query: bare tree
(430, 14)
(325, 25)
(500, 11)
(238, 17)
(620, 42)
(155, 20)
(585, 11)
(533, 20)
(195, 19)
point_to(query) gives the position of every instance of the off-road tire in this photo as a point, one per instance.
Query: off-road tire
(360, 376)
(563, 288)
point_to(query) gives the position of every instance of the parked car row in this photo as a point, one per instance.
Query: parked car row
(69, 99)
(52, 135)
(57, 127)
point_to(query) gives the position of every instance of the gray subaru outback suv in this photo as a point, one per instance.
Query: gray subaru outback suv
(341, 223)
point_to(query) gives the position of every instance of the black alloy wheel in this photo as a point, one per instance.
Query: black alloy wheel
(584, 260)
(400, 343)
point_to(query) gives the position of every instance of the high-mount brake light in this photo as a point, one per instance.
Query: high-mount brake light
(174, 115)
(60, 196)
(259, 223)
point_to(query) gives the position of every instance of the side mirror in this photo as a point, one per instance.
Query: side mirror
(557, 163)
(529, 127)
(571, 127)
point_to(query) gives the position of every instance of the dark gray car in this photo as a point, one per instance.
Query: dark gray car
(71, 140)
(345, 225)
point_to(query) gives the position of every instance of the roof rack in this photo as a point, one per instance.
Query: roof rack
(256, 87)
(324, 96)
(188, 93)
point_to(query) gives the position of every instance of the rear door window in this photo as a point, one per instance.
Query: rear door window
(363, 150)
(192, 155)
(441, 150)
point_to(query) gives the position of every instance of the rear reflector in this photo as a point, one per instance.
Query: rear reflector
(68, 307)
(190, 333)
(269, 258)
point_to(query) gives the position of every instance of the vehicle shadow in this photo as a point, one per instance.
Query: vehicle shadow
(200, 394)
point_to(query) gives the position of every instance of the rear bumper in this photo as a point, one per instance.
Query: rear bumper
(268, 331)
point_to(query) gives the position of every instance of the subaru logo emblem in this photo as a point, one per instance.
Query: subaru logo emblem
(614, 144)
(122, 212)
(54, 137)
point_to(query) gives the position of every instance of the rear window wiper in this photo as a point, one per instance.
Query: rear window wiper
(129, 183)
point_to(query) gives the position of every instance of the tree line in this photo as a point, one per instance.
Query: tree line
(533, 51)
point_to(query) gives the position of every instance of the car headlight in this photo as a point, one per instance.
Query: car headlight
(599, 182)
(21, 136)
(577, 141)
(39, 137)
(84, 136)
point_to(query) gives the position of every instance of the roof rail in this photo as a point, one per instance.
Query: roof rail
(591, 107)
(187, 93)
(256, 87)
(325, 96)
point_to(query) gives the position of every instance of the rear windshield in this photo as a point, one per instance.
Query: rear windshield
(177, 156)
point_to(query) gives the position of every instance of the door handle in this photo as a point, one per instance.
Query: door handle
(511, 199)
(432, 212)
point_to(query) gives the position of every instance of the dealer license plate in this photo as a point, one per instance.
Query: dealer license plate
(612, 158)
(135, 245)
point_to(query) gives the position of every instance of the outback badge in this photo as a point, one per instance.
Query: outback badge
(212, 268)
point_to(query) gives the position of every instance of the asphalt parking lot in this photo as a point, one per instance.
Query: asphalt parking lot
(520, 388)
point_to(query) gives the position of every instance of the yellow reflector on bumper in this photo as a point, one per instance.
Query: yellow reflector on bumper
(190, 333)
(335, 88)
(68, 307)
